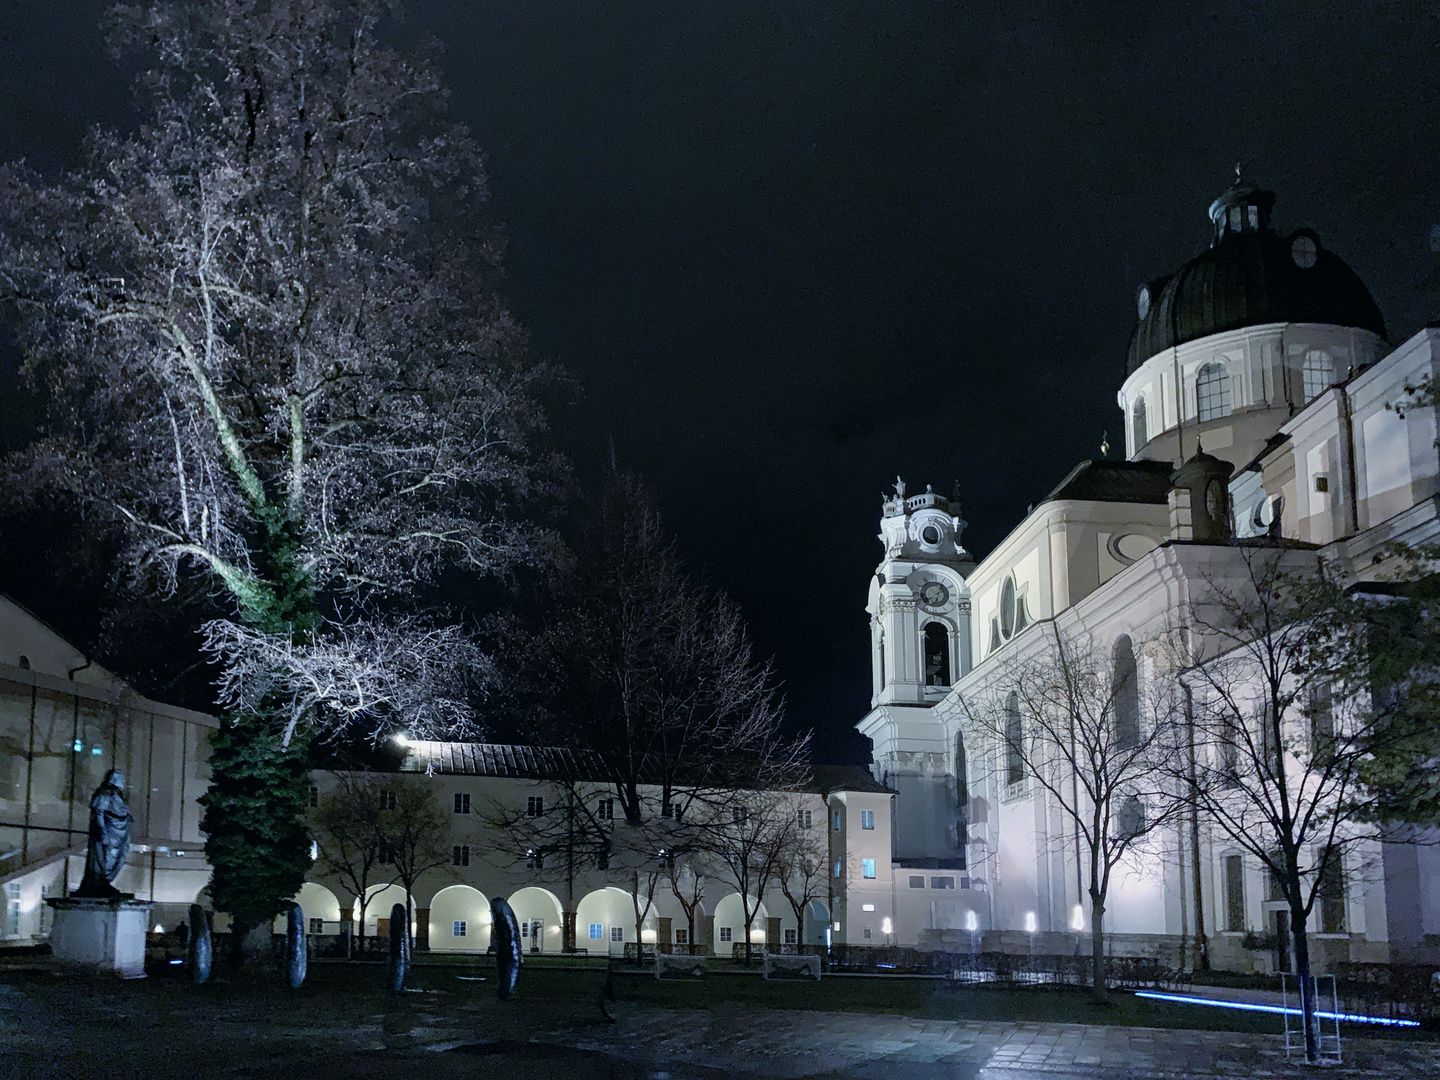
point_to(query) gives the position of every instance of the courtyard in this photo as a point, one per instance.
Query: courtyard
(342, 1025)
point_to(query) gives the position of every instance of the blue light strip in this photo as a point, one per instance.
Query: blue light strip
(1353, 1018)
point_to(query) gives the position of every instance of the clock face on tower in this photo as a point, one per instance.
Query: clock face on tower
(933, 594)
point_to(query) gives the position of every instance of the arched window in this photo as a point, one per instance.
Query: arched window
(962, 778)
(1014, 750)
(1318, 374)
(1131, 819)
(1127, 694)
(937, 655)
(1212, 392)
(1138, 425)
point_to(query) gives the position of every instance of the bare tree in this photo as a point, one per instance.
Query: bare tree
(804, 874)
(414, 832)
(687, 879)
(566, 825)
(1073, 719)
(348, 836)
(1285, 718)
(746, 835)
(647, 672)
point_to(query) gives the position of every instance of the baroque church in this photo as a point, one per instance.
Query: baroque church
(1260, 372)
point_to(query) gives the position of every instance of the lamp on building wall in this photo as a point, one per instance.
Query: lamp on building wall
(1077, 918)
(1031, 925)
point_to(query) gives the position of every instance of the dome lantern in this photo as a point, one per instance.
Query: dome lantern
(1242, 208)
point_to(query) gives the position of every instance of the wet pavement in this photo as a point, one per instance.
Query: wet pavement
(55, 1025)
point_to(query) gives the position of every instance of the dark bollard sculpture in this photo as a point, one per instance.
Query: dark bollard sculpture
(399, 950)
(295, 957)
(505, 934)
(201, 951)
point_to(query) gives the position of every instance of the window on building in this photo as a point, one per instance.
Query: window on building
(1229, 752)
(383, 853)
(597, 931)
(617, 933)
(1125, 690)
(937, 654)
(837, 819)
(1317, 375)
(867, 868)
(457, 928)
(387, 800)
(1138, 426)
(942, 882)
(867, 819)
(838, 870)
(602, 860)
(460, 855)
(804, 818)
(1014, 750)
(917, 881)
(534, 860)
(605, 810)
(462, 802)
(1131, 819)
(867, 933)
(792, 937)
(725, 934)
(535, 805)
(1320, 707)
(317, 926)
(1331, 891)
(314, 795)
(1270, 744)
(682, 936)
(962, 778)
(1212, 392)
(1234, 892)
(1274, 887)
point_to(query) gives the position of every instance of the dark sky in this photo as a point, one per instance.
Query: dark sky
(791, 249)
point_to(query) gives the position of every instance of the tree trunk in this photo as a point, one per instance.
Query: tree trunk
(1308, 1019)
(1098, 973)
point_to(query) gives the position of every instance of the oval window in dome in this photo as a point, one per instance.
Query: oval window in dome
(1304, 251)
(931, 535)
(1142, 301)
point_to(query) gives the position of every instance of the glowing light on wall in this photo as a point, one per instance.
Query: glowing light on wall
(886, 927)
(1031, 925)
(1077, 918)
(972, 921)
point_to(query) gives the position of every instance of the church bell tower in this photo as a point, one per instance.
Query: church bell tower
(920, 644)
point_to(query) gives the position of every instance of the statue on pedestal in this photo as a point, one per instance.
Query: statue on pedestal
(109, 843)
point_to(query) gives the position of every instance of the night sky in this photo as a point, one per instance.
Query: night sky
(791, 249)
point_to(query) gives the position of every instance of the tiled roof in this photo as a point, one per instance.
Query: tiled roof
(500, 759)
(1116, 482)
(561, 763)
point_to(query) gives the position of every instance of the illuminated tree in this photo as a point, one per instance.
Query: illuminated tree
(267, 330)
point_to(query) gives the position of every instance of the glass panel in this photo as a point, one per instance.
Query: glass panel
(166, 769)
(197, 779)
(50, 772)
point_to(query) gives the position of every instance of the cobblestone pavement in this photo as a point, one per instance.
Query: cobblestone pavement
(796, 1044)
(54, 1027)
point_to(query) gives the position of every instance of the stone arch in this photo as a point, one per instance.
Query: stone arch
(533, 905)
(380, 899)
(730, 914)
(317, 902)
(817, 921)
(609, 908)
(464, 909)
(936, 644)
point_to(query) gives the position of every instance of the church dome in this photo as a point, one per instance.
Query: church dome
(1250, 275)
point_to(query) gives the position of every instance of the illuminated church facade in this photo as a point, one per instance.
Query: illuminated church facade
(1265, 351)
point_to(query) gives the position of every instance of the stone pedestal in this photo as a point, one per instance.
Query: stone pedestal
(108, 935)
